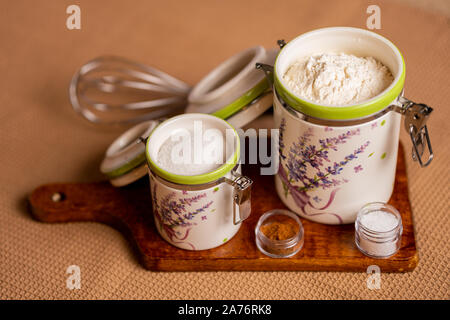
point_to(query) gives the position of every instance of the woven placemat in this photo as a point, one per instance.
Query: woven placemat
(43, 141)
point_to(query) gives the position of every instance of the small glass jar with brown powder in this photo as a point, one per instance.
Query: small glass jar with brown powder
(279, 234)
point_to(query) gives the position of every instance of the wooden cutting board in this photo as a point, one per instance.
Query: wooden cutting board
(129, 209)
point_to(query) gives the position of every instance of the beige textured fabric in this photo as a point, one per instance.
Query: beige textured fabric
(43, 141)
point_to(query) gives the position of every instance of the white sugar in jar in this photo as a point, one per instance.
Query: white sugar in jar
(378, 230)
(209, 154)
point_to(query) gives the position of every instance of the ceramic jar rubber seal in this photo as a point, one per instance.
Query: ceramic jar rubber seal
(334, 160)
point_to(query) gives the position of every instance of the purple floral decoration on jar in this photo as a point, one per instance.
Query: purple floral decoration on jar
(171, 212)
(303, 156)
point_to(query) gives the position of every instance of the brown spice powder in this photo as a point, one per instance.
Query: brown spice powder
(279, 227)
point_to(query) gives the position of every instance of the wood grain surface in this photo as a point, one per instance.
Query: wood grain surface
(326, 248)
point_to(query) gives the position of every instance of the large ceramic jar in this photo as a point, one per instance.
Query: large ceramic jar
(335, 160)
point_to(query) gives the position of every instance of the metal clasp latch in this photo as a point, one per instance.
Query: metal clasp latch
(241, 196)
(268, 69)
(281, 43)
(416, 116)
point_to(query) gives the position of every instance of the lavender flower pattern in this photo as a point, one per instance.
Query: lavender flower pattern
(171, 212)
(308, 167)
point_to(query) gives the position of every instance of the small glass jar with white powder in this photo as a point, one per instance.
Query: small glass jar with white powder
(378, 230)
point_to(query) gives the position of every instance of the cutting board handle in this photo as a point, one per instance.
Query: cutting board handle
(72, 202)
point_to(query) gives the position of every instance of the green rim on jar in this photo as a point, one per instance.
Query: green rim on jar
(200, 178)
(242, 101)
(354, 111)
(138, 161)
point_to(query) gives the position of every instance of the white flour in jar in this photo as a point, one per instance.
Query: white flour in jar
(337, 79)
(185, 157)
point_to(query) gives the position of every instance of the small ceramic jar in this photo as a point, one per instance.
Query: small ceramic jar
(333, 160)
(197, 212)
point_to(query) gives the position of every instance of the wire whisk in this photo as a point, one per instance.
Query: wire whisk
(115, 91)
